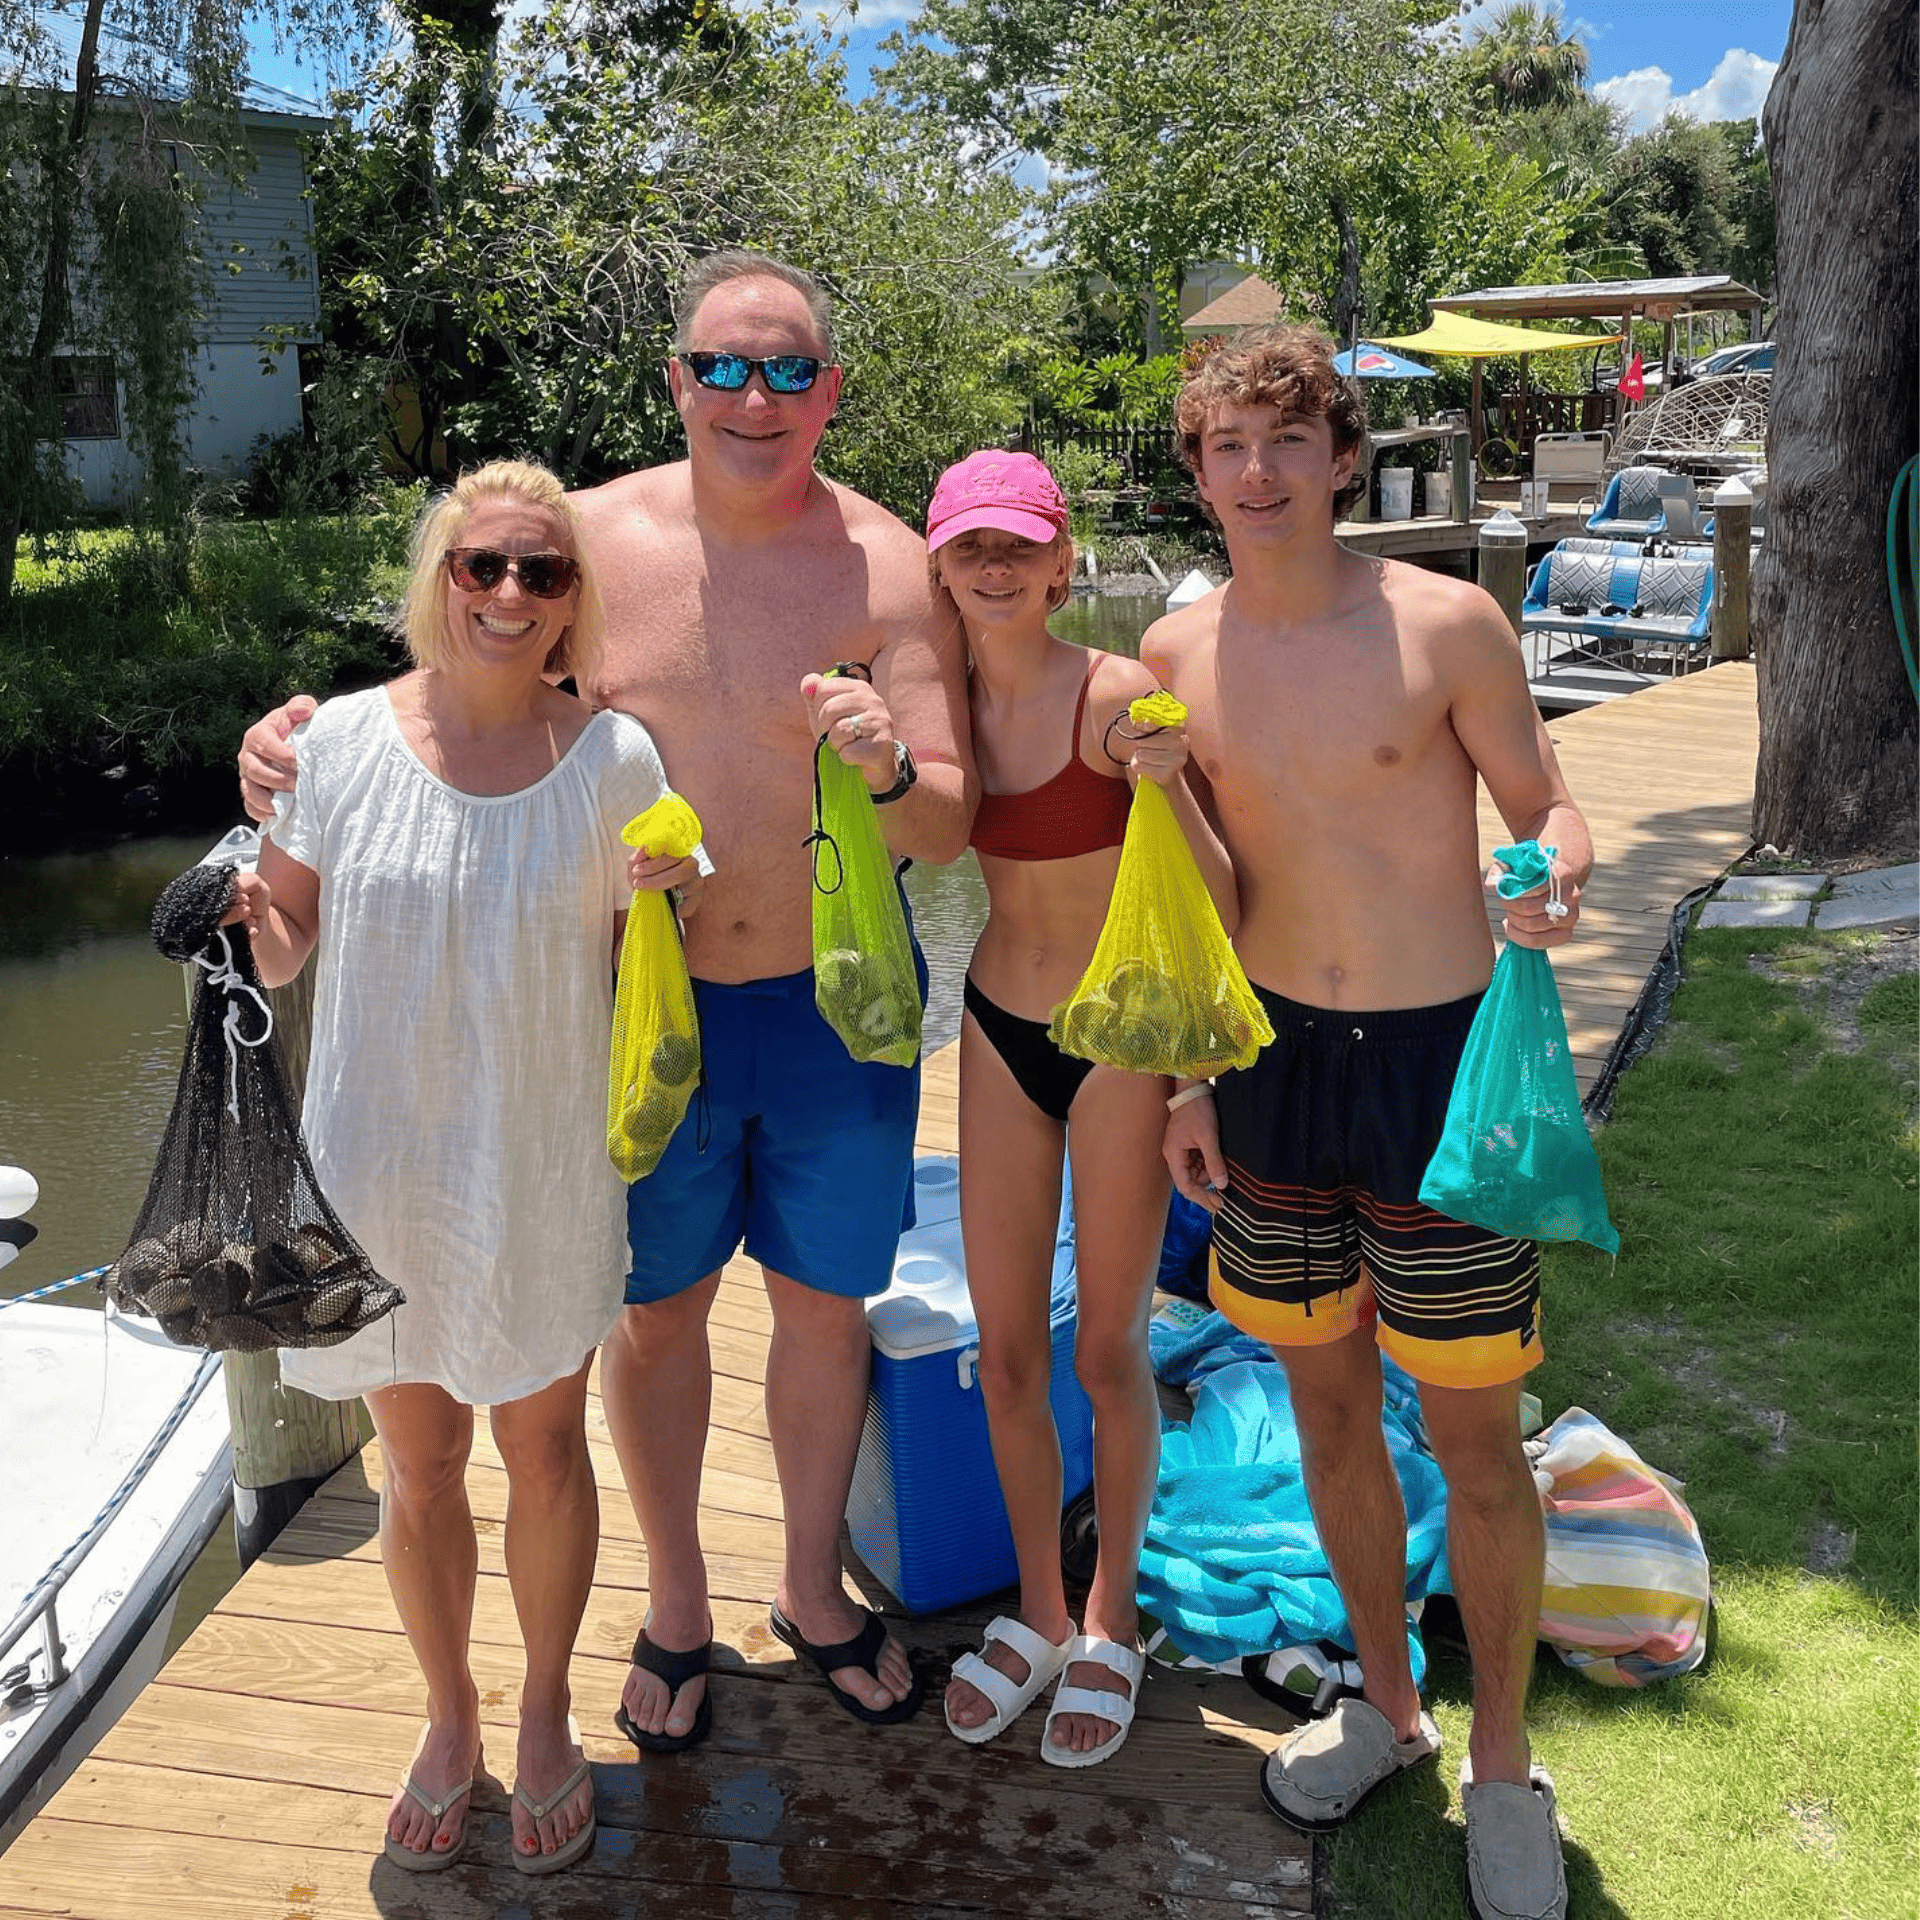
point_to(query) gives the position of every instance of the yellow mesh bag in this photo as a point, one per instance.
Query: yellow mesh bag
(864, 981)
(656, 1034)
(1164, 991)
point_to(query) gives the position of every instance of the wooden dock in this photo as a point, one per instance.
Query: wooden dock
(250, 1781)
(1429, 536)
(1665, 779)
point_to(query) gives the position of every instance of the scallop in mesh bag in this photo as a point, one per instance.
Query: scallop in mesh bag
(1164, 991)
(236, 1248)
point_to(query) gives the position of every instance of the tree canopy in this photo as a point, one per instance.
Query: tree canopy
(520, 288)
(1523, 61)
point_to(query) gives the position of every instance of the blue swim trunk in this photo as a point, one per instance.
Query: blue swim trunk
(787, 1144)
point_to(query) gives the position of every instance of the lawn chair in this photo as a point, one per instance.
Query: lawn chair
(1677, 504)
(1633, 508)
(1578, 458)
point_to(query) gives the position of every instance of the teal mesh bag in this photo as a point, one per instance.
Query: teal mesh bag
(1515, 1156)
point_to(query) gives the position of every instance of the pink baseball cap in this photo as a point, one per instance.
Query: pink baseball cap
(1010, 492)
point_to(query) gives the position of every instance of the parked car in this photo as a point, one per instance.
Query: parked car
(1750, 356)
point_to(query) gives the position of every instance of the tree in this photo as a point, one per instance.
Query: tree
(995, 70)
(1838, 768)
(1674, 184)
(1749, 206)
(1263, 129)
(98, 250)
(1465, 214)
(1523, 62)
(523, 291)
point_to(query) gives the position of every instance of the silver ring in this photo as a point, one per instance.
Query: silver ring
(853, 727)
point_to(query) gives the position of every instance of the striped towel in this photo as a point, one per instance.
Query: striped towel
(1627, 1587)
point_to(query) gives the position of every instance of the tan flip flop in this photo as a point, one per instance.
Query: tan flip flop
(568, 1851)
(427, 1860)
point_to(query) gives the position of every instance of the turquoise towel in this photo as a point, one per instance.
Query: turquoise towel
(1232, 1565)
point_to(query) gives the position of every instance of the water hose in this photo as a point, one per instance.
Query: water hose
(1903, 535)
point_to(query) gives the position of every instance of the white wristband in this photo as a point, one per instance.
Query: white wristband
(1180, 1099)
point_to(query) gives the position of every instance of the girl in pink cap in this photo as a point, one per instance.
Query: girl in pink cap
(1056, 764)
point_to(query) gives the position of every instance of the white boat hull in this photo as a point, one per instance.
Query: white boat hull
(82, 1395)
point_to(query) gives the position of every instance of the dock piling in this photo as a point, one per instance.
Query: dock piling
(1503, 563)
(1732, 568)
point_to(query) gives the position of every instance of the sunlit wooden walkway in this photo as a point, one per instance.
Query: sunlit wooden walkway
(1665, 779)
(250, 1781)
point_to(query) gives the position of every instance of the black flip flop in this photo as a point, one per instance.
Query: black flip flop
(863, 1650)
(676, 1669)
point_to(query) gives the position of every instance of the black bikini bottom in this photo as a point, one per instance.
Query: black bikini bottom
(1048, 1077)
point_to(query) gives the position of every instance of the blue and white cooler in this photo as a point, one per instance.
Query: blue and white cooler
(925, 1511)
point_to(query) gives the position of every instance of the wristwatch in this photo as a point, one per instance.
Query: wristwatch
(905, 773)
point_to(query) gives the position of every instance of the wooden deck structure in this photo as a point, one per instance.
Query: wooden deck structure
(249, 1782)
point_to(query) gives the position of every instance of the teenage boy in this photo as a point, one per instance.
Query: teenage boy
(1342, 709)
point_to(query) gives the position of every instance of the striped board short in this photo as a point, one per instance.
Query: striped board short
(1322, 1230)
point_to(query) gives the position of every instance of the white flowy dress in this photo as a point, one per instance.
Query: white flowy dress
(462, 1018)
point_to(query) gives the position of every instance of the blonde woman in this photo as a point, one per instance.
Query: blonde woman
(1055, 760)
(452, 850)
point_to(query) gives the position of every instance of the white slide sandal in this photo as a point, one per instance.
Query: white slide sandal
(1009, 1698)
(1126, 1663)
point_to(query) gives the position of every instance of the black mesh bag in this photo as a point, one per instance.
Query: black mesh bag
(236, 1248)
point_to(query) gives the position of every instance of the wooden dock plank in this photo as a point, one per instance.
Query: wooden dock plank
(251, 1779)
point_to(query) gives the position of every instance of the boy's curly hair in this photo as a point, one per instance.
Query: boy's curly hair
(1290, 367)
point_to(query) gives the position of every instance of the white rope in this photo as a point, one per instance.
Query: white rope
(225, 975)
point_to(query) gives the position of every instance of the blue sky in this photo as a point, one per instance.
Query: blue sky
(1709, 59)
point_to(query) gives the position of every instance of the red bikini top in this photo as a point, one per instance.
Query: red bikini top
(1077, 811)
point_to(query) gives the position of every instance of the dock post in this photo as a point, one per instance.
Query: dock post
(285, 1443)
(1503, 563)
(1732, 568)
(1460, 463)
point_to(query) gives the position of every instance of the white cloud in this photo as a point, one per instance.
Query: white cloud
(1736, 90)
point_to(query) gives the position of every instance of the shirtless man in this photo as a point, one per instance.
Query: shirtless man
(1341, 708)
(731, 579)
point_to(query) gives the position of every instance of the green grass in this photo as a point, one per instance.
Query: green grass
(1893, 1007)
(1756, 1338)
(103, 648)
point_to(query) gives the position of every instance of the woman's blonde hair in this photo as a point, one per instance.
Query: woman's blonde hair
(1057, 595)
(422, 619)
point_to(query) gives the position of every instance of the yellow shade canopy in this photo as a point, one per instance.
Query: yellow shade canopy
(1456, 333)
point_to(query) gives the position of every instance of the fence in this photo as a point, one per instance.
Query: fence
(1139, 451)
(1553, 413)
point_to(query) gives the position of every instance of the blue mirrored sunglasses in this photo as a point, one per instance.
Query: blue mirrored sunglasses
(729, 372)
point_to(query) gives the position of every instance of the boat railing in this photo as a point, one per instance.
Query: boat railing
(42, 1603)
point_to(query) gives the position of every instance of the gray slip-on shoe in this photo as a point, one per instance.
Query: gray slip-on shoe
(1514, 1865)
(1318, 1776)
